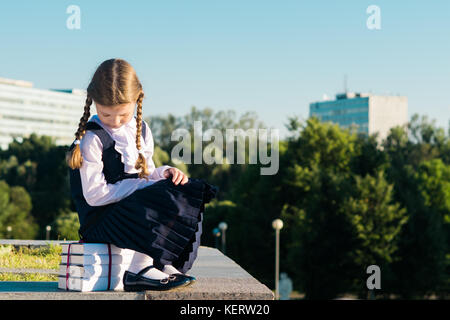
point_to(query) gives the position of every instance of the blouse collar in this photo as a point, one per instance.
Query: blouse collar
(125, 142)
(130, 125)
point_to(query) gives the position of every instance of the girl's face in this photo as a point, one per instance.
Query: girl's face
(115, 116)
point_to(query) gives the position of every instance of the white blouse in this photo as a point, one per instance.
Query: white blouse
(96, 190)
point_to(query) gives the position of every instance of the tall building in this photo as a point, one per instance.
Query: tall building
(25, 110)
(371, 113)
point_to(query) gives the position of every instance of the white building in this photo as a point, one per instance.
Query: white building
(371, 113)
(25, 110)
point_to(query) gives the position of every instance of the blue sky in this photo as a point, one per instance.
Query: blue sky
(271, 57)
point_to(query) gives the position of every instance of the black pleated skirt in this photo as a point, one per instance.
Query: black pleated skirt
(163, 220)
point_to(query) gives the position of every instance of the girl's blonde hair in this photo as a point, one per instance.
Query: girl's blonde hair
(114, 82)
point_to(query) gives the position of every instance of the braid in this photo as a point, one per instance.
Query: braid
(74, 158)
(139, 121)
(140, 162)
(84, 119)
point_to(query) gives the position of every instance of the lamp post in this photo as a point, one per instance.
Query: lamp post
(277, 224)
(216, 234)
(47, 234)
(9, 229)
(223, 227)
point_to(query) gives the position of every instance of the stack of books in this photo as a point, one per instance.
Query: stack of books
(96, 266)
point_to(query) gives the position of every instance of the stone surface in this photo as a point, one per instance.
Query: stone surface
(216, 289)
(218, 277)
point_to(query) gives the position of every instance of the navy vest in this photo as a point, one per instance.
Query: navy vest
(113, 169)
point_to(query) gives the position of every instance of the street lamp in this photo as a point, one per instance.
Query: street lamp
(277, 224)
(47, 234)
(9, 229)
(216, 234)
(223, 227)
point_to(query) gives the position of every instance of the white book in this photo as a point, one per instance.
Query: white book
(90, 259)
(95, 270)
(93, 248)
(92, 284)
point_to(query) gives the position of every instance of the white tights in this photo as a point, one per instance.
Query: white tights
(140, 261)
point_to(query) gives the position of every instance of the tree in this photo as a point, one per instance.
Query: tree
(315, 185)
(221, 175)
(18, 174)
(320, 235)
(420, 268)
(376, 223)
(161, 157)
(369, 156)
(67, 225)
(433, 183)
(215, 212)
(15, 207)
(39, 166)
(337, 221)
(162, 128)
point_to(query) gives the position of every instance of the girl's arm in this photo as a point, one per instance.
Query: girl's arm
(96, 190)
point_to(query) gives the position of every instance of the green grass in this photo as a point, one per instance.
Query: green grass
(40, 258)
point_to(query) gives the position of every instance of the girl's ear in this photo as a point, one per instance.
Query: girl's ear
(74, 158)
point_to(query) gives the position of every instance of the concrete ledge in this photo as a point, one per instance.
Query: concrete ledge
(216, 289)
(32, 244)
(218, 278)
(42, 290)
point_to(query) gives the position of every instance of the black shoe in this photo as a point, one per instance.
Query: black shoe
(182, 276)
(137, 282)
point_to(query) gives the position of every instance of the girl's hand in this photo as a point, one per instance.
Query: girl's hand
(177, 176)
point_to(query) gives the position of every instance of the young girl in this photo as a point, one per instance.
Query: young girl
(120, 196)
